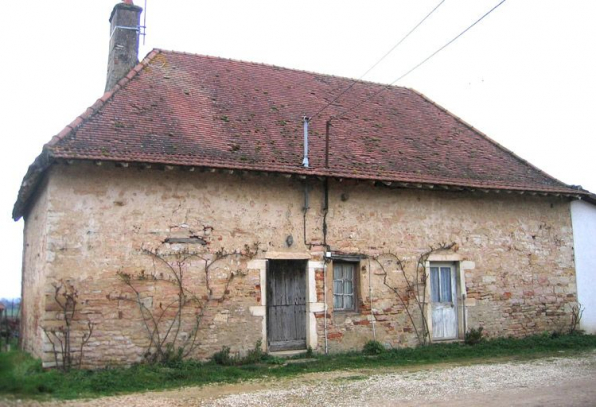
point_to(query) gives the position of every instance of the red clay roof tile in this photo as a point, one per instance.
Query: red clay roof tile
(183, 109)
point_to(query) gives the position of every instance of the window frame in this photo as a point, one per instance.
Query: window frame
(453, 289)
(355, 285)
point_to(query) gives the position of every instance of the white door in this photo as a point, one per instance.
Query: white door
(443, 301)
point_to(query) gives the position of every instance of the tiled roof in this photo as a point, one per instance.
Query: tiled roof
(183, 109)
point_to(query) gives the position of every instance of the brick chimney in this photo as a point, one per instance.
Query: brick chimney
(124, 41)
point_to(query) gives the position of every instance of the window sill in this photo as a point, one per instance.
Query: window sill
(346, 312)
(341, 316)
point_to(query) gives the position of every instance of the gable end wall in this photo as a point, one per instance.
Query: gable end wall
(35, 268)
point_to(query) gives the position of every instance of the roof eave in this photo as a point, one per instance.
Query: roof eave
(46, 158)
(43, 161)
(31, 181)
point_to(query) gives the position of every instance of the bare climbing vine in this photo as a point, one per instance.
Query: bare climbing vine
(165, 322)
(415, 287)
(577, 312)
(67, 354)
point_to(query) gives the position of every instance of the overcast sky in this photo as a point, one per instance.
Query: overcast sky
(525, 76)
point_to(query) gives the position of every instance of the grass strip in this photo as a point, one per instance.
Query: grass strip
(22, 376)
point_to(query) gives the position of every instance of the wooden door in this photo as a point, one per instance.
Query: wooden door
(443, 302)
(286, 305)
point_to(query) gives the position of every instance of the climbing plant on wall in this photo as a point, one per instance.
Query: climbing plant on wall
(172, 325)
(69, 332)
(412, 293)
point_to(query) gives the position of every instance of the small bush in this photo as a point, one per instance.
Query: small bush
(224, 358)
(172, 356)
(474, 336)
(373, 348)
(254, 355)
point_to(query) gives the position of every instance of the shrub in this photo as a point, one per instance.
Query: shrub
(172, 356)
(373, 348)
(223, 357)
(474, 336)
(254, 355)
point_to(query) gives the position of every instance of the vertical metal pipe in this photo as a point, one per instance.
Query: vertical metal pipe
(305, 210)
(325, 210)
(144, 31)
(463, 297)
(325, 300)
(370, 297)
(305, 160)
(327, 125)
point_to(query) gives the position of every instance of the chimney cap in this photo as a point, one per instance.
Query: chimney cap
(125, 5)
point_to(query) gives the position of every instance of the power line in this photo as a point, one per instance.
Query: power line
(419, 64)
(379, 61)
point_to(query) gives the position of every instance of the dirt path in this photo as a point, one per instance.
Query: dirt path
(561, 381)
(575, 392)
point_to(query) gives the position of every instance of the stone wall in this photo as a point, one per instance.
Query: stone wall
(34, 281)
(517, 251)
(515, 254)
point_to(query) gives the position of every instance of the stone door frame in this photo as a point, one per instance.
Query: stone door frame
(461, 265)
(312, 305)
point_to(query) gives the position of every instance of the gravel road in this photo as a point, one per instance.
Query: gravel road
(561, 381)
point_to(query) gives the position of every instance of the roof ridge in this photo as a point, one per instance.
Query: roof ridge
(489, 139)
(99, 103)
(285, 68)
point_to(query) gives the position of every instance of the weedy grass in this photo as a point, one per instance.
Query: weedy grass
(22, 376)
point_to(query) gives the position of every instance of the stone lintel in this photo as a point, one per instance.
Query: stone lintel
(257, 264)
(445, 257)
(288, 255)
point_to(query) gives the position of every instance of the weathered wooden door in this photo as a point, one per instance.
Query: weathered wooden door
(286, 305)
(443, 301)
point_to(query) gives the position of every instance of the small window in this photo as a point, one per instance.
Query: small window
(344, 298)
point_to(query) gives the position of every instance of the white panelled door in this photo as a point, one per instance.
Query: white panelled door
(443, 289)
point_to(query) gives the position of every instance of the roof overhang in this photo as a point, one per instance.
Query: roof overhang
(45, 160)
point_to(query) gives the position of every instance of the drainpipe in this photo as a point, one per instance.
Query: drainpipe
(327, 125)
(305, 210)
(325, 211)
(326, 185)
(325, 301)
(370, 299)
(463, 297)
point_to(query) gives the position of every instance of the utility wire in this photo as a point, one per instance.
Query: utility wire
(379, 61)
(419, 64)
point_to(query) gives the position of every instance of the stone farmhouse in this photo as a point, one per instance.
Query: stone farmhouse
(199, 203)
